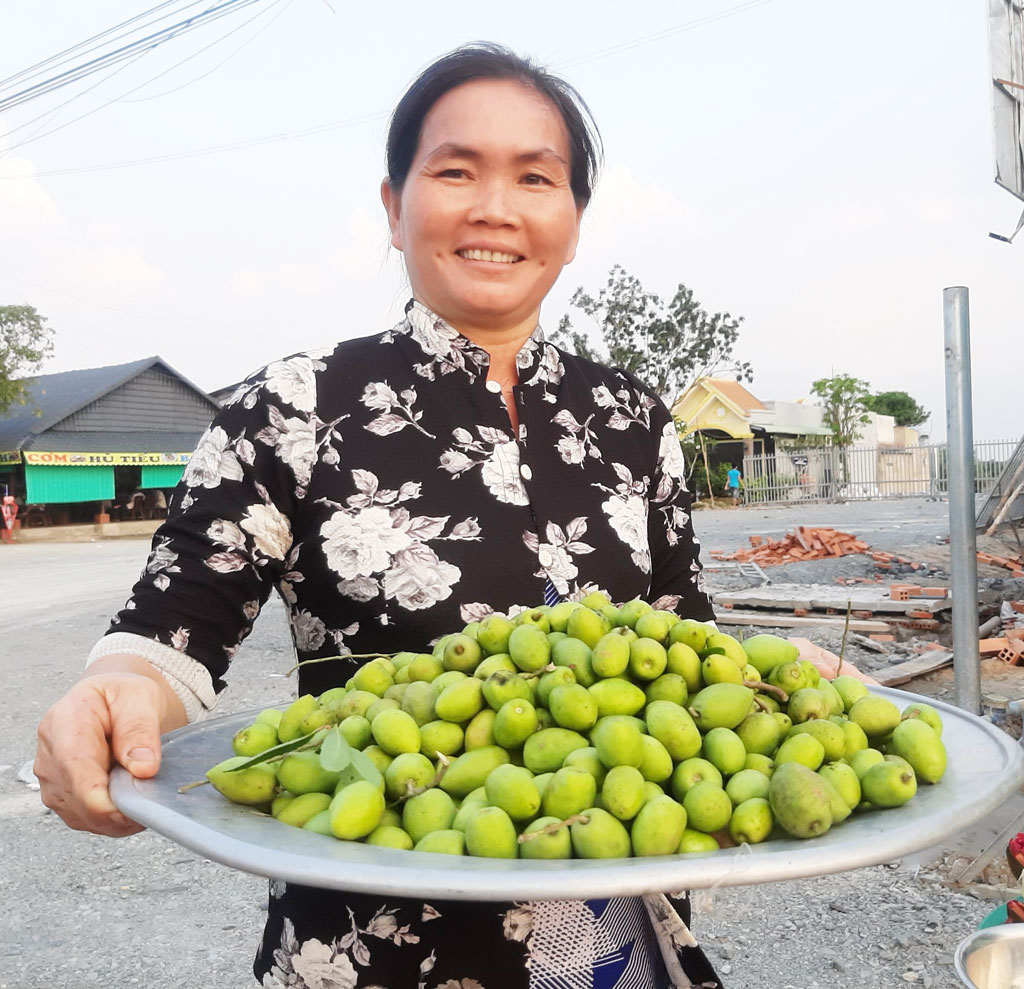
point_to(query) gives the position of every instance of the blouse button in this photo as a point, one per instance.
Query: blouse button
(493, 386)
(525, 471)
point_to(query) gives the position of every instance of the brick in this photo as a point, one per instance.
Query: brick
(918, 614)
(989, 647)
(756, 540)
(800, 612)
(863, 614)
(934, 592)
(882, 637)
(1018, 606)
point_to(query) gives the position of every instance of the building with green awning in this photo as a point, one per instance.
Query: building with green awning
(86, 438)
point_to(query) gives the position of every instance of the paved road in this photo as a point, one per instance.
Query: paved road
(88, 911)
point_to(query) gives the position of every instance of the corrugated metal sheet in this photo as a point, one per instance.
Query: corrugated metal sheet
(161, 475)
(148, 441)
(52, 485)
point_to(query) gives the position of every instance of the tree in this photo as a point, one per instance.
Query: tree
(667, 345)
(25, 342)
(897, 404)
(843, 401)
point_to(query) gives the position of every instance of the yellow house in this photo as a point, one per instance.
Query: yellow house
(716, 404)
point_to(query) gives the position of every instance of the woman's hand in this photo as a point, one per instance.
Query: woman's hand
(113, 715)
(828, 663)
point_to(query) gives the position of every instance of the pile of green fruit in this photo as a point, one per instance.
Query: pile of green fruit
(584, 730)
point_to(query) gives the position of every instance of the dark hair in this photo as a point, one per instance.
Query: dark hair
(483, 60)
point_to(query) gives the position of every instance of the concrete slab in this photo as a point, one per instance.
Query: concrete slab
(823, 597)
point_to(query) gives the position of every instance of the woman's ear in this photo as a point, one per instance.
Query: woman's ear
(392, 205)
(570, 255)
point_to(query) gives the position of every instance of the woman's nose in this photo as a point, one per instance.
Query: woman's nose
(493, 204)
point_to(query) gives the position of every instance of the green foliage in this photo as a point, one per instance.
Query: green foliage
(25, 342)
(668, 345)
(897, 404)
(842, 399)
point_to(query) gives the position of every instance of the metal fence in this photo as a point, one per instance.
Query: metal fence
(865, 473)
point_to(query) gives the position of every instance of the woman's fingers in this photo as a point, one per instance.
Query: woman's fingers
(100, 721)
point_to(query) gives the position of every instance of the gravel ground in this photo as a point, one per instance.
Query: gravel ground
(87, 911)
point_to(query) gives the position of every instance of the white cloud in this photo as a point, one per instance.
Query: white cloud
(115, 270)
(23, 200)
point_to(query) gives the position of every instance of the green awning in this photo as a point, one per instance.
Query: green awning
(51, 485)
(161, 475)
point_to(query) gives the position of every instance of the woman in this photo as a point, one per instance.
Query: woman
(396, 488)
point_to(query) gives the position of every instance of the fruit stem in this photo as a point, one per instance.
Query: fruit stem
(553, 828)
(414, 791)
(846, 631)
(330, 659)
(192, 786)
(767, 688)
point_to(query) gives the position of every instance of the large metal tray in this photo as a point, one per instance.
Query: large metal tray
(985, 768)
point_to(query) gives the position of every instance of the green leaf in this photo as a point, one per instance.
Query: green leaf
(280, 750)
(335, 752)
(364, 766)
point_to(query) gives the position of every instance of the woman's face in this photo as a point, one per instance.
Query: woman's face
(486, 218)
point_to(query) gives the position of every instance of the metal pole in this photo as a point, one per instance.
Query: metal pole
(963, 546)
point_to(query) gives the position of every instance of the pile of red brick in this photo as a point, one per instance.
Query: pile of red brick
(1012, 563)
(803, 543)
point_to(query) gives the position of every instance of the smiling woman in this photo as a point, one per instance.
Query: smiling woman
(395, 489)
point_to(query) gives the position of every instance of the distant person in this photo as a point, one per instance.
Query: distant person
(10, 513)
(732, 484)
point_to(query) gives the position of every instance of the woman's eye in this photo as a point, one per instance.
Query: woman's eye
(534, 179)
(452, 173)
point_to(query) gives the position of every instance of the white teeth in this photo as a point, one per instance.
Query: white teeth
(475, 255)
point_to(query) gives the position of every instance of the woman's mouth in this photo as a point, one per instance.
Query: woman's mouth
(499, 257)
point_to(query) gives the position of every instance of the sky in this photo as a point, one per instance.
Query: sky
(822, 170)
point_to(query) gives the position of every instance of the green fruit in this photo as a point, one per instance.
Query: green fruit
(610, 655)
(558, 616)
(272, 715)
(696, 842)
(690, 632)
(545, 750)
(355, 729)
(480, 731)
(290, 726)
(764, 652)
(723, 748)
(759, 733)
(855, 739)
(721, 705)
(862, 761)
(720, 642)
(807, 704)
(492, 664)
(569, 791)
(850, 690)
(459, 702)
(837, 804)
(751, 822)
(538, 617)
(490, 833)
(501, 687)
(462, 653)
(573, 706)
(618, 742)
(719, 668)
(674, 728)
(320, 823)
(512, 789)
(799, 800)
(406, 772)
(389, 836)
(425, 668)
(373, 677)
(355, 702)
(378, 757)
(654, 625)
(845, 780)
(600, 836)
(356, 810)
(441, 737)
(788, 677)
(586, 625)
(876, 715)
(622, 793)
(493, 634)
(668, 687)
(396, 732)
(761, 763)
(632, 610)
(616, 695)
(708, 807)
(254, 739)
(657, 763)
(562, 676)
(432, 810)
(746, 785)
(647, 658)
(690, 772)
(469, 806)
(595, 600)
(888, 784)
(557, 845)
(301, 772)
(917, 742)
(926, 713)
(587, 759)
(529, 648)
(445, 680)
(514, 723)
(298, 811)
(254, 786)
(684, 661)
(831, 736)
(835, 700)
(658, 827)
(448, 842)
(418, 701)
(471, 769)
(384, 704)
(803, 749)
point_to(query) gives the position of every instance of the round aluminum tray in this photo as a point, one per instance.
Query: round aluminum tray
(985, 768)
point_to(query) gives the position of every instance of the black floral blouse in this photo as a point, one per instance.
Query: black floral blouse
(381, 490)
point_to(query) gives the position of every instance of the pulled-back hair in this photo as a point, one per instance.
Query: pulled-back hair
(483, 60)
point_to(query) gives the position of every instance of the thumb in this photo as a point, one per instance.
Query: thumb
(135, 728)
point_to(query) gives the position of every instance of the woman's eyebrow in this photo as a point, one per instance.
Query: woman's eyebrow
(451, 149)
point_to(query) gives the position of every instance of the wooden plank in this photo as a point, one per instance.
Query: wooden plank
(902, 672)
(769, 620)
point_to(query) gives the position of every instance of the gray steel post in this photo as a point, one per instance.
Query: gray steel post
(963, 546)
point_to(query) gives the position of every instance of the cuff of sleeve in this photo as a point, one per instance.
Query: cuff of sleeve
(189, 679)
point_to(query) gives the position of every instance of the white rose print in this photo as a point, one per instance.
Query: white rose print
(555, 555)
(497, 456)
